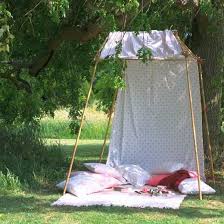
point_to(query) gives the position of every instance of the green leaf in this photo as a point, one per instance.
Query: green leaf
(144, 54)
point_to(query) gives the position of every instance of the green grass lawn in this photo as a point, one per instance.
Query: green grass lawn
(34, 206)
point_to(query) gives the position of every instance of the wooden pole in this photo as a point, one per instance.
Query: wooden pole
(96, 59)
(80, 128)
(194, 130)
(206, 124)
(108, 126)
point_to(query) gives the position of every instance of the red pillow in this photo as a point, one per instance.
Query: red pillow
(173, 180)
(155, 180)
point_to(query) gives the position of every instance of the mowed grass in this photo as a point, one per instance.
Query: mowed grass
(94, 126)
(34, 206)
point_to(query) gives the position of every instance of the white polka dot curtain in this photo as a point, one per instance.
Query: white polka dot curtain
(152, 122)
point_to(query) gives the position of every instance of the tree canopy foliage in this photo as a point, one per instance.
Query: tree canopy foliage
(47, 48)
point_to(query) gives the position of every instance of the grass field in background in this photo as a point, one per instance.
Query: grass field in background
(61, 130)
(94, 127)
(33, 207)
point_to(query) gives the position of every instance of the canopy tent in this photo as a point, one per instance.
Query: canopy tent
(158, 120)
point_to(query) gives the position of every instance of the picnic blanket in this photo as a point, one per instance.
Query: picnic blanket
(117, 198)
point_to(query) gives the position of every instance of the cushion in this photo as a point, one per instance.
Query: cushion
(190, 186)
(104, 169)
(134, 174)
(83, 183)
(171, 180)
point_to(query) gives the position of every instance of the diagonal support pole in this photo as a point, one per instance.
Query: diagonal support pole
(193, 128)
(96, 59)
(80, 128)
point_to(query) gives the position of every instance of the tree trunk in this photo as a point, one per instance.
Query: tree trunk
(210, 46)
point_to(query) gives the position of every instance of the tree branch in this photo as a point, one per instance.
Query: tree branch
(69, 33)
(66, 34)
(38, 64)
(13, 76)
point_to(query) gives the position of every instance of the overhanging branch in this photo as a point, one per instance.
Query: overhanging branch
(66, 34)
(13, 76)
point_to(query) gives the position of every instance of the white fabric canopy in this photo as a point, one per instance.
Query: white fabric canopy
(163, 44)
(152, 121)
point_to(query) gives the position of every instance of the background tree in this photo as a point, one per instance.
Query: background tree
(207, 34)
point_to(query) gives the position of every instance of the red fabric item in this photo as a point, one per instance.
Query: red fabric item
(172, 181)
(155, 180)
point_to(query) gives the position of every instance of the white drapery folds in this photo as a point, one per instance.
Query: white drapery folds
(152, 121)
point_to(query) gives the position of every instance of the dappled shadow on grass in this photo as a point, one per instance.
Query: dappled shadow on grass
(40, 203)
(185, 212)
(16, 203)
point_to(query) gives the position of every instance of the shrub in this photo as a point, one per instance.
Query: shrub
(9, 181)
(24, 155)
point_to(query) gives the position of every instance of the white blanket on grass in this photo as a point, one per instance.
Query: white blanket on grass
(116, 198)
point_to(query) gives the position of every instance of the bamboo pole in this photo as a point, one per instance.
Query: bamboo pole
(108, 126)
(206, 124)
(194, 129)
(97, 60)
(80, 128)
(157, 59)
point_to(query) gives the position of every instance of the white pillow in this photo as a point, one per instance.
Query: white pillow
(134, 174)
(104, 169)
(190, 186)
(83, 183)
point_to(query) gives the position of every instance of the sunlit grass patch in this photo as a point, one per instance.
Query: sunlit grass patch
(61, 130)
(94, 126)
